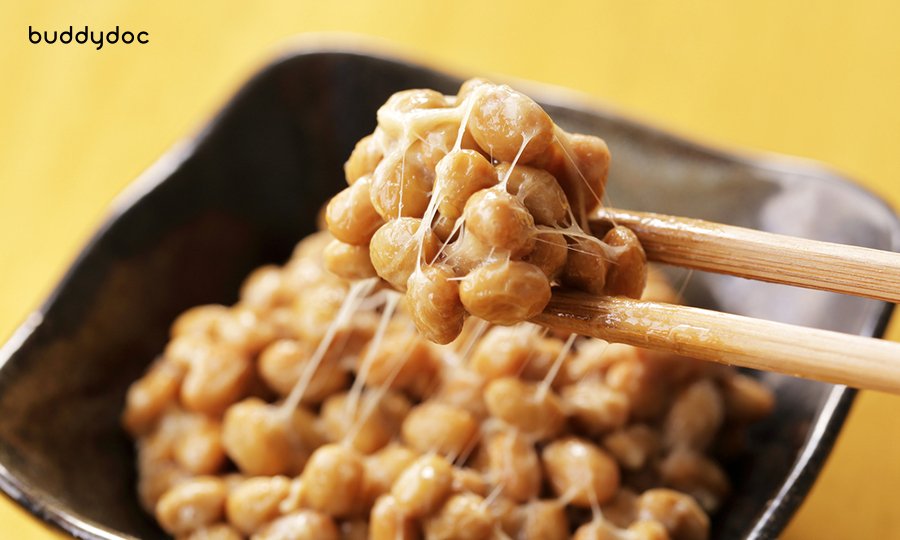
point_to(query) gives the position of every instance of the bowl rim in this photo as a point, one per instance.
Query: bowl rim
(825, 426)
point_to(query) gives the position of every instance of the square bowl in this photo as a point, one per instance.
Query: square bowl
(244, 190)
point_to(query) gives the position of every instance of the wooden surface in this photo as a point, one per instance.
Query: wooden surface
(820, 355)
(776, 258)
(817, 79)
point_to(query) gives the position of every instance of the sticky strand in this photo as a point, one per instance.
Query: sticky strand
(374, 346)
(357, 290)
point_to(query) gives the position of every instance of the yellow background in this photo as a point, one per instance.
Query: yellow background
(819, 79)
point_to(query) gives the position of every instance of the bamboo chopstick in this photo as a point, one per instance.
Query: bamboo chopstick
(730, 339)
(725, 249)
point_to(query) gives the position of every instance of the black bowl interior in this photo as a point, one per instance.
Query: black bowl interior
(249, 186)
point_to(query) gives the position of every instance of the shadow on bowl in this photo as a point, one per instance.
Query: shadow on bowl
(243, 192)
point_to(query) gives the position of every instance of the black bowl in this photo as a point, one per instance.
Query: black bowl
(249, 186)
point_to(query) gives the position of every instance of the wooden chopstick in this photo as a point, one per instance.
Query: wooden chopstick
(725, 249)
(730, 339)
